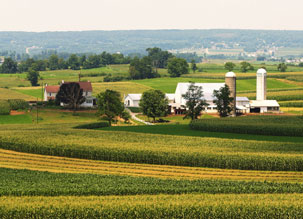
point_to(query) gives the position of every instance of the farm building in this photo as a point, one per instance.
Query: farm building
(50, 93)
(243, 104)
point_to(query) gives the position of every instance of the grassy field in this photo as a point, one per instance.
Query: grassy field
(16, 119)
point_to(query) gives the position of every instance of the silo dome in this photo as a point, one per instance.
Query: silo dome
(230, 75)
(261, 71)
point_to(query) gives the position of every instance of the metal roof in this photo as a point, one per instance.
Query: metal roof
(207, 88)
(138, 96)
(242, 99)
(264, 103)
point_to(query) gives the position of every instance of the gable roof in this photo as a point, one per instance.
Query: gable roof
(52, 89)
(85, 85)
(138, 96)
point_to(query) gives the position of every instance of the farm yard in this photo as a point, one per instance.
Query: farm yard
(250, 166)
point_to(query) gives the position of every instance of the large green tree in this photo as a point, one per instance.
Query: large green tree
(282, 67)
(229, 66)
(53, 62)
(109, 105)
(223, 101)
(159, 58)
(74, 62)
(141, 68)
(194, 101)
(246, 66)
(154, 104)
(9, 66)
(177, 67)
(33, 76)
(71, 95)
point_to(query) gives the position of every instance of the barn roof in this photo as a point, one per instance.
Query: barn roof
(264, 103)
(207, 88)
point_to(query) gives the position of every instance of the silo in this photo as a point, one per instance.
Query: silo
(230, 81)
(261, 84)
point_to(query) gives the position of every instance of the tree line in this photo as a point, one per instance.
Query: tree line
(54, 62)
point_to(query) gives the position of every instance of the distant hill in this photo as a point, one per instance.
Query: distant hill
(134, 41)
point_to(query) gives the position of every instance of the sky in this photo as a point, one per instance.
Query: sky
(78, 15)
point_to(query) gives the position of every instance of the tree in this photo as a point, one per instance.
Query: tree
(154, 104)
(74, 62)
(33, 76)
(193, 65)
(159, 58)
(70, 94)
(282, 67)
(141, 68)
(177, 67)
(229, 66)
(109, 105)
(126, 116)
(194, 101)
(223, 101)
(9, 66)
(301, 64)
(53, 62)
(245, 66)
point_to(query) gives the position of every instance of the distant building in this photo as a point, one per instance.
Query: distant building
(50, 93)
(242, 104)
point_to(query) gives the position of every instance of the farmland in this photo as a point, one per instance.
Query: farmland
(49, 168)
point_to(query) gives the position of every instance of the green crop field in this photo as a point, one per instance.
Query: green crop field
(247, 167)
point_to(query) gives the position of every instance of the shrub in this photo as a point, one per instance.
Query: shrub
(4, 107)
(18, 104)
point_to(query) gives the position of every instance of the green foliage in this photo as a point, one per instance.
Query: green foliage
(229, 66)
(159, 58)
(35, 183)
(246, 66)
(33, 76)
(154, 104)
(126, 116)
(74, 62)
(259, 125)
(223, 101)
(70, 94)
(135, 109)
(177, 66)
(95, 125)
(282, 67)
(9, 66)
(53, 62)
(195, 102)
(109, 105)
(4, 107)
(301, 64)
(193, 65)
(18, 104)
(142, 68)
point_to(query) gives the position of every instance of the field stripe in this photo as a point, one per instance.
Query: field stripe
(19, 160)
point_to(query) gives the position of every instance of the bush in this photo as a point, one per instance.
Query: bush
(18, 104)
(135, 109)
(93, 125)
(4, 107)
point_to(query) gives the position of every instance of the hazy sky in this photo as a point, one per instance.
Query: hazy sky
(53, 15)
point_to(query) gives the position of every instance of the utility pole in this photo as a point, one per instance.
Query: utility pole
(37, 109)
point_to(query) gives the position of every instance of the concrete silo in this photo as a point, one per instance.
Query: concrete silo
(230, 81)
(261, 84)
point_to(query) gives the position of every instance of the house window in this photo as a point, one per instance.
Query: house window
(50, 94)
(89, 101)
(128, 102)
